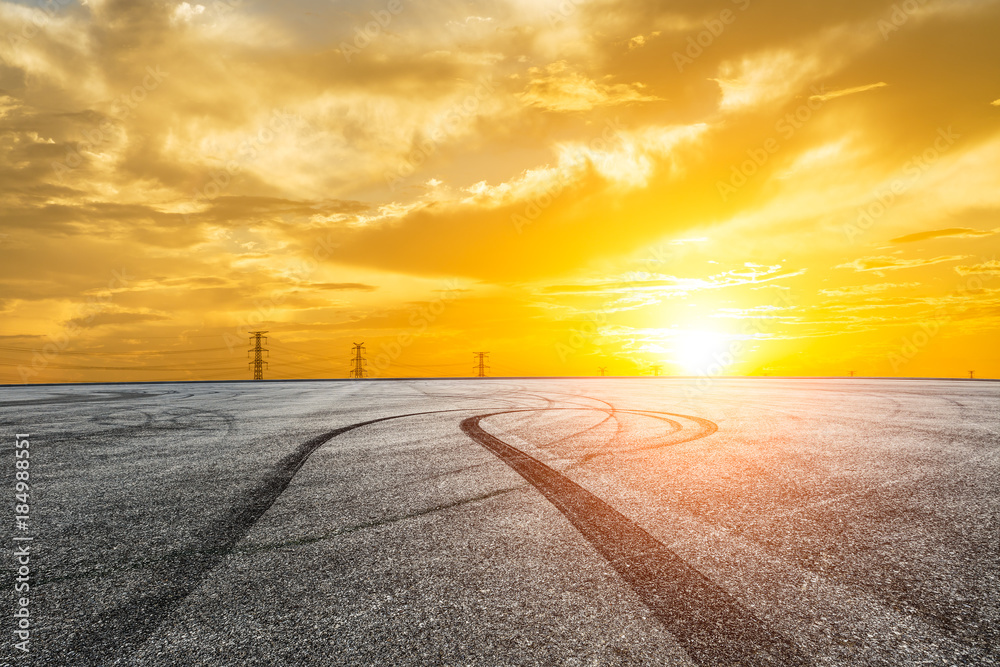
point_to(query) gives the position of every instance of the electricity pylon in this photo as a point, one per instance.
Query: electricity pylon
(656, 370)
(481, 366)
(852, 373)
(258, 364)
(972, 375)
(603, 369)
(358, 362)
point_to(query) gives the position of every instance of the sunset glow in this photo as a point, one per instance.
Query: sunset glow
(798, 189)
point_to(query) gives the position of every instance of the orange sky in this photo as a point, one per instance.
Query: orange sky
(727, 188)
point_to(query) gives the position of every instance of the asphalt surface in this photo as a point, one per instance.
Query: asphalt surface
(510, 522)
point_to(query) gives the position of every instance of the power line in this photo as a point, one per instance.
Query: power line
(310, 368)
(258, 364)
(101, 353)
(396, 363)
(297, 350)
(175, 369)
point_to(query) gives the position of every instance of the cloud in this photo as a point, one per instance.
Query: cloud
(767, 77)
(556, 87)
(823, 97)
(956, 232)
(586, 146)
(864, 290)
(883, 263)
(629, 284)
(108, 319)
(991, 266)
(361, 287)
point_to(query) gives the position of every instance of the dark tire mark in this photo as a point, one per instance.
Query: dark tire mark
(707, 429)
(609, 449)
(310, 539)
(121, 630)
(599, 424)
(63, 399)
(377, 523)
(708, 622)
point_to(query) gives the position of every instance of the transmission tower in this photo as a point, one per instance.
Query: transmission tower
(258, 364)
(603, 370)
(481, 366)
(656, 370)
(852, 373)
(972, 375)
(358, 362)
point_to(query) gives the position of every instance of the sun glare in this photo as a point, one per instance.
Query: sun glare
(697, 352)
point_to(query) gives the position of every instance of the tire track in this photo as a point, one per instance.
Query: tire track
(65, 399)
(707, 429)
(711, 625)
(120, 630)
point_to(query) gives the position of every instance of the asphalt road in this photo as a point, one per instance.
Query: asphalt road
(509, 522)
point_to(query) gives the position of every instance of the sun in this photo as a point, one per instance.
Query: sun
(701, 352)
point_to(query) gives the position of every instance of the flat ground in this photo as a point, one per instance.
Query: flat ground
(527, 522)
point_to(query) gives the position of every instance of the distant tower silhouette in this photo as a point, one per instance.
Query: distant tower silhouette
(358, 362)
(852, 373)
(258, 364)
(603, 370)
(481, 366)
(655, 370)
(972, 375)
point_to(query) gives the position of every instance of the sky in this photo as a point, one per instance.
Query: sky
(706, 189)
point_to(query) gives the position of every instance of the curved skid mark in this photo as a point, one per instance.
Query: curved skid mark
(582, 408)
(118, 631)
(711, 625)
(609, 449)
(580, 432)
(63, 399)
(707, 428)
